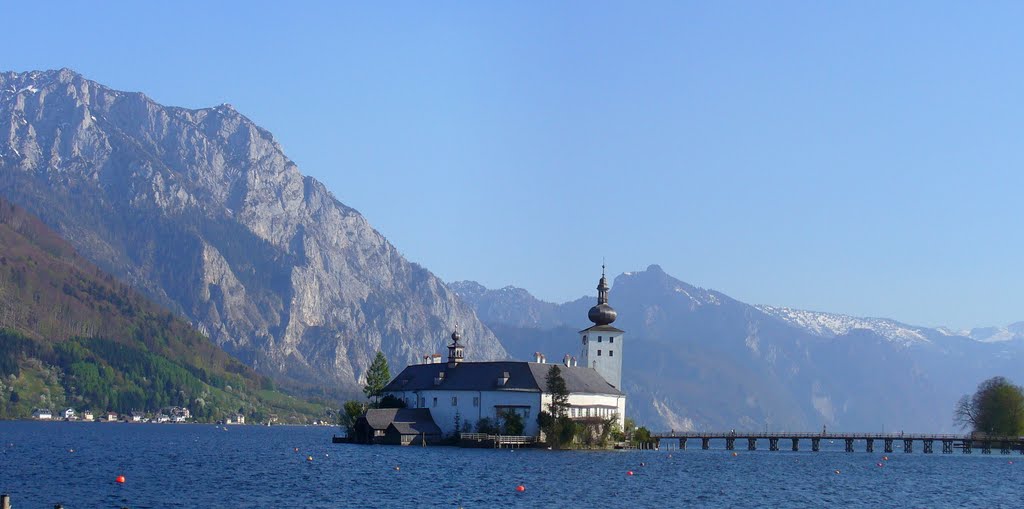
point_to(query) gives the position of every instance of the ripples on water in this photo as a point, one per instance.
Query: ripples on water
(249, 466)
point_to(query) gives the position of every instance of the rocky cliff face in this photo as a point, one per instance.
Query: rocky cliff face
(202, 210)
(696, 358)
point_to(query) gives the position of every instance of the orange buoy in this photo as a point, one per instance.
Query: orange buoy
(309, 458)
(520, 488)
(886, 458)
(120, 479)
(735, 454)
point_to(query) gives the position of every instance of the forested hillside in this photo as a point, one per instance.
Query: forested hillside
(73, 336)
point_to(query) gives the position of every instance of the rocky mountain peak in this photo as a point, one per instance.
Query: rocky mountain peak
(202, 210)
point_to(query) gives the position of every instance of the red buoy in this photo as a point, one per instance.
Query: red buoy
(520, 488)
(629, 472)
(879, 464)
(120, 479)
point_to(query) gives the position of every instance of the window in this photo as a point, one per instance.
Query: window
(598, 353)
(599, 339)
(435, 401)
(611, 353)
(455, 400)
(611, 339)
(476, 401)
(584, 340)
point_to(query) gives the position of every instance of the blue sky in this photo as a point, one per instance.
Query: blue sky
(858, 157)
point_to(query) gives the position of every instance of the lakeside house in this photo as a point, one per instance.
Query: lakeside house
(137, 416)
(180, 414)
(88, 416)
(454, 396)
(111, 417)
(162, 418)
(43, 414)
(397, 426)
(235, 419)
(69, 414)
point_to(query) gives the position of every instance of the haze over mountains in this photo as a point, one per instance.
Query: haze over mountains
(696, 358)
(202, 210)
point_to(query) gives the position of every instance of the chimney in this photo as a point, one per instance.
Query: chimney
(543, 359)
(537, 357)
(567, 360)
(574, 362)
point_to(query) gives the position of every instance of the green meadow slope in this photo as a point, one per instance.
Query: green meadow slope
(73, 336)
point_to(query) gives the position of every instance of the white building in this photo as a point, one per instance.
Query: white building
(88, 416)
(470, 391)
(43, 414)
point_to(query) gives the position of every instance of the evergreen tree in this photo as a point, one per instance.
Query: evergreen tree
(377, 377)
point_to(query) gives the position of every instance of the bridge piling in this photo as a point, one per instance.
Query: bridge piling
(705, 443)
(796, 444)
(888, 445)
(815, 444)
(849, 445)
(927, 448)
(730, 444)
(908, 445)
(751, 444)
(870, 447)
(773, 444)
(947, 447)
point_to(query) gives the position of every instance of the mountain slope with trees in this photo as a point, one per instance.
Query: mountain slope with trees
(73, 336)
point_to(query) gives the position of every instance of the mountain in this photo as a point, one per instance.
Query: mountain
(697, 358)
(71, 335)
(202, 211)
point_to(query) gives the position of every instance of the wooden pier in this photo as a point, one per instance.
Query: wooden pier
(966, 443)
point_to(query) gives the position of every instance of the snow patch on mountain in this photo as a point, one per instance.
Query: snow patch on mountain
(832, 324)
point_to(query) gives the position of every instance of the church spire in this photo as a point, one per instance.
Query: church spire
(602, 313)
(455, 350)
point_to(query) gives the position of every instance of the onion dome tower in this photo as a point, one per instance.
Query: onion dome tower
(602, 313)
(601, 344)
(456, 351)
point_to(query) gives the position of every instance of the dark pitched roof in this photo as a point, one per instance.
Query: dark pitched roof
(380, 418)
(466, 376)
(577, 379)
(483, 376)
(415, 428)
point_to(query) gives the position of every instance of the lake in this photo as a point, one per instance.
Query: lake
(249, 466)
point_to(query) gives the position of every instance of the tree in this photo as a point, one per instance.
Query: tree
(377, 377)
(512, 423)
(558, 427)
(996, 408)
(559, 392)
(348, 415)
(391, 401)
